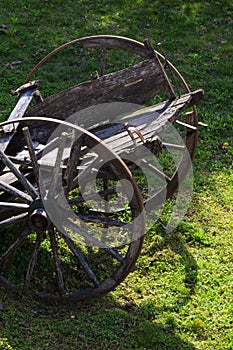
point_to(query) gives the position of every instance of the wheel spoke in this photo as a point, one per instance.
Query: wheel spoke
(13, 219)
(13, 206)
(72, 164)
(106, 207)
(57, 264)
(93, 240)
(18, 239)
(188, 126)
(106, 196)
(15, 192)
(8, 283)
(57, 167)
(174, 146)
(32, 153)
(80, 258)
(95, 195)
(86, 169)
(33, 259)
(98, 219)
(48, 148)
(156, 170)
(19, 161)
(102, 62)
(26, 184)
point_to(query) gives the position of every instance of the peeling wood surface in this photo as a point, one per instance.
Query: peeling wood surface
(135, 84)
(150, 122)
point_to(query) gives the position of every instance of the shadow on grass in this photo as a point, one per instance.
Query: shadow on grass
(102, 324)
(188, 261)
(178, 242)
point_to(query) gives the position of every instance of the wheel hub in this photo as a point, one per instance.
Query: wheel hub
(38, 215)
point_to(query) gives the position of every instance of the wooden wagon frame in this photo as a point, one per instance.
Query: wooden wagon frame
(70, 170)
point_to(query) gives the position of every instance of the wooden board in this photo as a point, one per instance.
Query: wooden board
(135, 84)
(150, 122)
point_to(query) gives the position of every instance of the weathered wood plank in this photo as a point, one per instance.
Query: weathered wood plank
(135, 84)
(150, 122)
(26, 93)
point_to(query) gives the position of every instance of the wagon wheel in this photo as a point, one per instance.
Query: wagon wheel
(187, 124)
(52, 243)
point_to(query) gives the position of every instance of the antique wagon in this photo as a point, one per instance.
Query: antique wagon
(81, 168)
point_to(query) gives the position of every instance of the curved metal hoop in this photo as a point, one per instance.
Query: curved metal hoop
(127, 44)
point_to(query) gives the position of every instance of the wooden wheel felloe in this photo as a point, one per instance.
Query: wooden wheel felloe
(52, 241)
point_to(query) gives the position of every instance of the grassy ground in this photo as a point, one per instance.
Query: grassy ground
(180, 293)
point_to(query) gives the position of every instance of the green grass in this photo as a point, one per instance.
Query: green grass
(179, 295)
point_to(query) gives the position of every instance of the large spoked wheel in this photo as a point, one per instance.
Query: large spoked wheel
(98, 55)
(58, 237)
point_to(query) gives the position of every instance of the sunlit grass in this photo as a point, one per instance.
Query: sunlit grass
(179, 295)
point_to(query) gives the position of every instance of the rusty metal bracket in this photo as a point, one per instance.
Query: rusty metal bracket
(131, 130)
